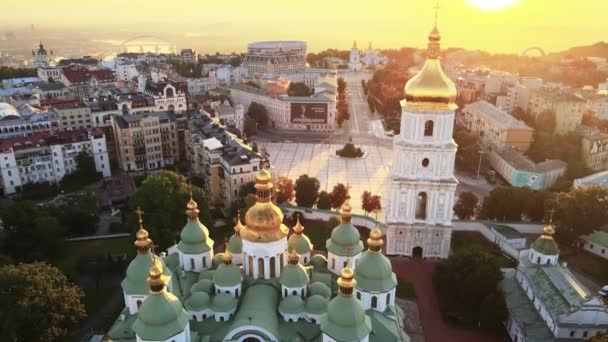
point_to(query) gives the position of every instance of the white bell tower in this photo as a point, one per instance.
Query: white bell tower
(354, 61)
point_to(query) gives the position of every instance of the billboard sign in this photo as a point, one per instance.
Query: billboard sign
(308, 113)
(534, 181)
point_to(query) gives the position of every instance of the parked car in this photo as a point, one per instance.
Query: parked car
(603, 291)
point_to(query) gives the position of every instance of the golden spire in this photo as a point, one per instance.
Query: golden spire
(142, 240)
(239, 225)
(293, 258)
(375, 242)
(549, 231)
(227, 257)
(346, 211)
(192, 207)
(156, 279)
(298, 228)
(354, 45)
(263, 180)
(347, 281)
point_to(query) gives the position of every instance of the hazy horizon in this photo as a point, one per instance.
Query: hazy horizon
(227, 27)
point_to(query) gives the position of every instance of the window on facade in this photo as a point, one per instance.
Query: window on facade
(572, 333)
(138, 303)
(374, 302)
(538, 260)
(191, 264)
(425, 162)
(359, 295)
(428, 128)
(388, 299)
(585, 334)
(421, 206)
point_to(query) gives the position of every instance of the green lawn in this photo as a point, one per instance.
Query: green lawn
(74, 251)
(591, 265)
(462, 241)
(405, 289)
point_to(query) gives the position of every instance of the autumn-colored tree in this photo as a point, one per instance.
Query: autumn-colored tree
(370, 203)
(338, 195)
(283, 190)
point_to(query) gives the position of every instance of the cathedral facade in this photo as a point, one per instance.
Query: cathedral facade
(422, 185)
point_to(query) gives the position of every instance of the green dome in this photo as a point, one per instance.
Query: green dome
(203, 285)
(137, 273)
(316, 305)
(318, 261)
(227, 276)
(198, 301)
(160, 317)
(206, 274)
(344, 236)
(301, 243)
(194, 238)
(291, 305)
(223, 302)
(235, 244)
(374, 273)
(217, 260)
(294, 276)
(545, 246)
(320, 289)
(345, 319)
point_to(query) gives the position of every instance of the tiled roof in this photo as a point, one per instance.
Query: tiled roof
(599, 237)
(80, 74)
(498, 117)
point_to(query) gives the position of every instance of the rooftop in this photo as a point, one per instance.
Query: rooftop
(49, 138)
(498, 117)
(519, 161)
(559, 95)
(599, 237)
(124, 120)
(599, 179)
(506, 231)
(82, 74)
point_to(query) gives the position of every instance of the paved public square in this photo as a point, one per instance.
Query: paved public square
(319, 160)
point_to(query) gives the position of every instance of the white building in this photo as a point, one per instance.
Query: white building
(198, 86)
(125, 71)
(230, 116)
(373, 57)
(354, 60)
(168, 95)
(40, 58)
(26, 120)
(545, 300)
(421, 189)
(272, 57)
(50, 73)
(46, 157)
(596, 243)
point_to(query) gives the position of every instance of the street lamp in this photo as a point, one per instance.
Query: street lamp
(481, 153)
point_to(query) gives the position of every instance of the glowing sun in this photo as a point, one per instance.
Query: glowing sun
(493, 5)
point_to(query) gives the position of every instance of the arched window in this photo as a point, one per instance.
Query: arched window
(388, 299)
(333, 263)
(138, 303)
(285, 295)
(192, 264)
(295, 292)
(358, 295)
(374, 302)
(250, 265)
(538, 260)
(272, 266)
(428, 128)
(221, 318)
(421, 206)
(204, 262)
(260, 268)
(194, 317)
(236, 293)
(305, 260)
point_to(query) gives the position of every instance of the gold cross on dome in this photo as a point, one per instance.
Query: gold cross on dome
(436, 11)
(551, 213)
(139, 213)
(189, 187)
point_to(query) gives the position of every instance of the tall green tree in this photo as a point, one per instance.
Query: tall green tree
(307, 191)
(545, 122)
(466, 205)
(163, 198)
(580, 212)
(37, 303)
(259, 113)
(324, 201)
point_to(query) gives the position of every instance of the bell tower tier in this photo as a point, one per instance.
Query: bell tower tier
(422, 185)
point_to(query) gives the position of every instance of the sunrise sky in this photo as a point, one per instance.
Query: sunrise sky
(229, 24)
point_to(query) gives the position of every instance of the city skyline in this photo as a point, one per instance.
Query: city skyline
(472, 24)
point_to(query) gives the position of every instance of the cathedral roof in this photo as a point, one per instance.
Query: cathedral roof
(227, 275)
(194, 238)
(294, 276)
(291, 305)
(320, 289)
(345, 239)
(198, 301)
(316, 304)
(375, 273)
(235, 244)
(223, 302)
(545, 244)
(203, 285)
(137, 273)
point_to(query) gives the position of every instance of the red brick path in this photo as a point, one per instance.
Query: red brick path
(435, 329)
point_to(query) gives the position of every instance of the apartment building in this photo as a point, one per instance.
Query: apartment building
(568, 107)
(147, 141)
(495, 127)
(74, 115)
(224, 161)
(49, 156)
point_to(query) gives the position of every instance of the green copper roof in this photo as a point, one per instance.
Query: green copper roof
(195, 238)
(386, 326)
(227, 276)
(318, 288)
(545, 246)
(137, 273)
(345, 319)
(294, 276)
(291, 305)
(374, 273)
(203, 285)
(160, 316)
(316, 305)
(199, 301)
(223, 302)
(301, 243)
(259, 307)
(235, 244)
(217, 260)
(598, 237)
(344, 236)
(318, 261)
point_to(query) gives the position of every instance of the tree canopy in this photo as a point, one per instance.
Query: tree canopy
(259, 113)
(307, 191)
(298, 89)
(338, 195)
(37, 303)
(324, 201)
(466, 205)
(163, 198)
(283, 190)
(370, 202)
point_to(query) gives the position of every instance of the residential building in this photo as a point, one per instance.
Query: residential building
(168, 95)
(273, 57)
(224, 161)
(126, 71)
(596, 243)
(147, 141)
(48, 91)
(312, 113)
(198, 86)
(84, 82)
(568, 108)
(594, 151)
(228, 115)
(46, 74)
(520, 171)
(74, 116)
(188, 56)
(26, 121)
(545, 301)
(597, 179)
(47, 157)
(496, 128)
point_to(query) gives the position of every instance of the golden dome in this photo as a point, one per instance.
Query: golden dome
(346, 211)
(298, 228)
(227, 257)
(347, 279)
(142, 240)
(239, 226)
(375, 241)
(264, 220)
(548, 232)
(431, 88)
(156, 279)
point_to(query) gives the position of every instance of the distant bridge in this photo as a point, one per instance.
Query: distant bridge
(533, 48)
